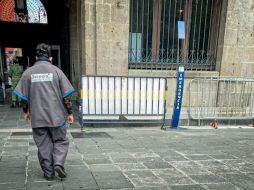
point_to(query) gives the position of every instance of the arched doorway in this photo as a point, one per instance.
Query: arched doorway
(25, 23)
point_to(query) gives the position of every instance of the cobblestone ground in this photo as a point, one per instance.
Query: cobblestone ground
(131, 158)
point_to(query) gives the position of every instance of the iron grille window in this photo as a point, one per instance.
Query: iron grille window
(167, 33)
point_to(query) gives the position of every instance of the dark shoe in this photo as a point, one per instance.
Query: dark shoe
(60, 171)
(49, 178)
(12, 106)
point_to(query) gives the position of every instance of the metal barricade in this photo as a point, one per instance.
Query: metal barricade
(221, 98)
(111, 99)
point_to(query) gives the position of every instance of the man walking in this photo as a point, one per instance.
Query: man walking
(46, 94)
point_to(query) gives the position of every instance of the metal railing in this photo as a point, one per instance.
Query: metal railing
(154, 41)
(171, 59)
(221, 98)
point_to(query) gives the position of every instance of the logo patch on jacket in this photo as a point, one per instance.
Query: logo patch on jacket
(42, 77)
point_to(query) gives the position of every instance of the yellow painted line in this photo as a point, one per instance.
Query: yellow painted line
(165, 95)
(154, 94)
(81, 94)
(135, 96)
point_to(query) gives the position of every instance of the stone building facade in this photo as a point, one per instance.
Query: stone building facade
(99, 41)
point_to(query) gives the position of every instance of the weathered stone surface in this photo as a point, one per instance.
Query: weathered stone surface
(105, 24)
(112, 180)
(44, 186)
(238, 39)
(136, 158)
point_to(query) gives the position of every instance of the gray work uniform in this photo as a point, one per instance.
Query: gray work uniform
(44, 86)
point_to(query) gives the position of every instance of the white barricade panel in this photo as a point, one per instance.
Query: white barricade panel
(149, 93)
(124, 96)
(143, 96)
(162, 95)
(85, 95)
(130, 100)
(98, 92)
(137, 96)
(111, 95)
(156, 90)
(140, 97)
(91, 95)
(104, 95)
(118, 95)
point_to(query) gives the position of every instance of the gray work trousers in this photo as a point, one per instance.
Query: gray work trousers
(52, 145)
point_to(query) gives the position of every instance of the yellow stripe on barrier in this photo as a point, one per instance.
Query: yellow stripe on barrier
(165, 95)
(135, 96)
(154, 94)
(81, 94)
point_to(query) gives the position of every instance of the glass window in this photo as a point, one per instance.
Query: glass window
(167, 33)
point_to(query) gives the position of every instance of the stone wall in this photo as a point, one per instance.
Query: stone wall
(75, 49)
(106, 33)
(238, 48)
(89, 37)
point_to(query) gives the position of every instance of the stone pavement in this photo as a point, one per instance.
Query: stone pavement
(142, 158)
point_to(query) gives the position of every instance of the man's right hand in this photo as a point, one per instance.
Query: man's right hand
(70, 119)
(27, 117)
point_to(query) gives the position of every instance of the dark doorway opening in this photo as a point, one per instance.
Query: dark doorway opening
(24, 35)
(27, 35)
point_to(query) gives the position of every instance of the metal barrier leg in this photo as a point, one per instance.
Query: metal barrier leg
(215, 124)
(163, 127)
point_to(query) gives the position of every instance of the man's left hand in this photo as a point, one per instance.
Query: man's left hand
(27, 117)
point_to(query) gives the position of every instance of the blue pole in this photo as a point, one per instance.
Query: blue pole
(179, 97)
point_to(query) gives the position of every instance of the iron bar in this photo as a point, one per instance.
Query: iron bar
(169, 19)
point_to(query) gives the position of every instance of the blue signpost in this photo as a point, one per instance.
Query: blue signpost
(179, 97)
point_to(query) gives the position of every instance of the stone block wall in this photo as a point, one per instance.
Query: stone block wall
(238, 47)
(75, 50)
(105, 34)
